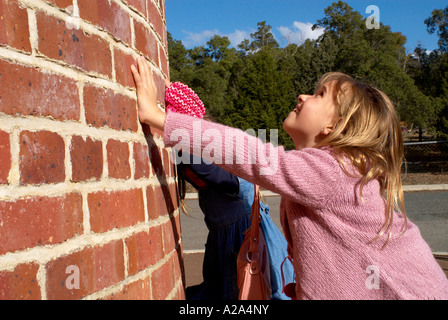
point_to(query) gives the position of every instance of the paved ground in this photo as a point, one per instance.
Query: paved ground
(427, 209)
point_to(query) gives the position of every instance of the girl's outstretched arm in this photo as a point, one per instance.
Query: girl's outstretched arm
(310, 176)
(148, 111)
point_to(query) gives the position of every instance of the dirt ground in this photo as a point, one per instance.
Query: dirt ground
(424, 178)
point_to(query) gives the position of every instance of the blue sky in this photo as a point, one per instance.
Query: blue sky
(194, 22)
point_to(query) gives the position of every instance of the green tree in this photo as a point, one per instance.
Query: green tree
(442, 119)
(263, 37)
(206, 69)
(430, 70)
(375, 56)
(438, 22)
(426, 68)
(256, 84)
(180, 65)
(263, 97)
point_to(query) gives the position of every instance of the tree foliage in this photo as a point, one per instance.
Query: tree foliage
(256, 84)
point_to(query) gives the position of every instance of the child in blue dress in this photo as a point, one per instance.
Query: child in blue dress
(226, 201)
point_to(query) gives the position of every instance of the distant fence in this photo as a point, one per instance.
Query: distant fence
(426, 157)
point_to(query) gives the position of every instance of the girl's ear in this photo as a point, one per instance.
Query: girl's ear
(331, 127)
(327, 130)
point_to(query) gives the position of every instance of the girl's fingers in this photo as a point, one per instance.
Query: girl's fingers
(142, 68)
(143, 75)
(145, 72)
(135, 74)
(151, 82)
(167, 83)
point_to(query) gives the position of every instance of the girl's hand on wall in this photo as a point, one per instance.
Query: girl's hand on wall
(148, 111)
(167, 83)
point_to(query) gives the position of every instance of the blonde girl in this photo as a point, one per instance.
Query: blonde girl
(342, 206)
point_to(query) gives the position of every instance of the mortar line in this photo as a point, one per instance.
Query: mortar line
(47, 253)
(108, 185)
(141, 275)
(89, 27)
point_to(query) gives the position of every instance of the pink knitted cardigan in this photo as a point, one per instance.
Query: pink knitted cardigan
(327, 225)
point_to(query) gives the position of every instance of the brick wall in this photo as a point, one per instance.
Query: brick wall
(88, 202)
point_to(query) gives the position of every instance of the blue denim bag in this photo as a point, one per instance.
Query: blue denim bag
(277, 247)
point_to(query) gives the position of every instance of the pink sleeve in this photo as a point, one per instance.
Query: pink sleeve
(309, 176)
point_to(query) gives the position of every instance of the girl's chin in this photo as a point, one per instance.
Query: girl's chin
(285, 125)
(286, 122)
(288, 129)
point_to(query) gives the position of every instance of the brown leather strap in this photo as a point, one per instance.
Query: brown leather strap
(255, 226)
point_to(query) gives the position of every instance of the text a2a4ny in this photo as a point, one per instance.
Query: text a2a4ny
(232, 309)
(245, 309)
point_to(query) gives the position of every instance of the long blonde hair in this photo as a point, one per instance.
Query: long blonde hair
(369, 135)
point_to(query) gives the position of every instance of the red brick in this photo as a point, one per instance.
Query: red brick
(166, 162)
(155, 18)
(170, 195)
(162, 200)
(14, 29)
(99, 267)
(155, 157)
(165, 38)
(174, 196)
(122, 66)
(118, 159)
(5, 156)
(145, 249)
(146, 42)
(109, 16)
(137, 290)
(21, 283)
(173, 168)
(105, 108)
(171, 234)
(39, 221)
(163, 280)
(109, 264)
(151, 132)
(41, 93)
(42, 156)
(118, 209)
(87, 159)
(162, 8)
(141, 159)
(180, 294)
(156, 202)
(179, 271)
(62, 3)
(139, 5)
(75, 47)
(164, 62)
(160, 84)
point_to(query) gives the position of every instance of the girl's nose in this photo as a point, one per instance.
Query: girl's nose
(302, 98)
